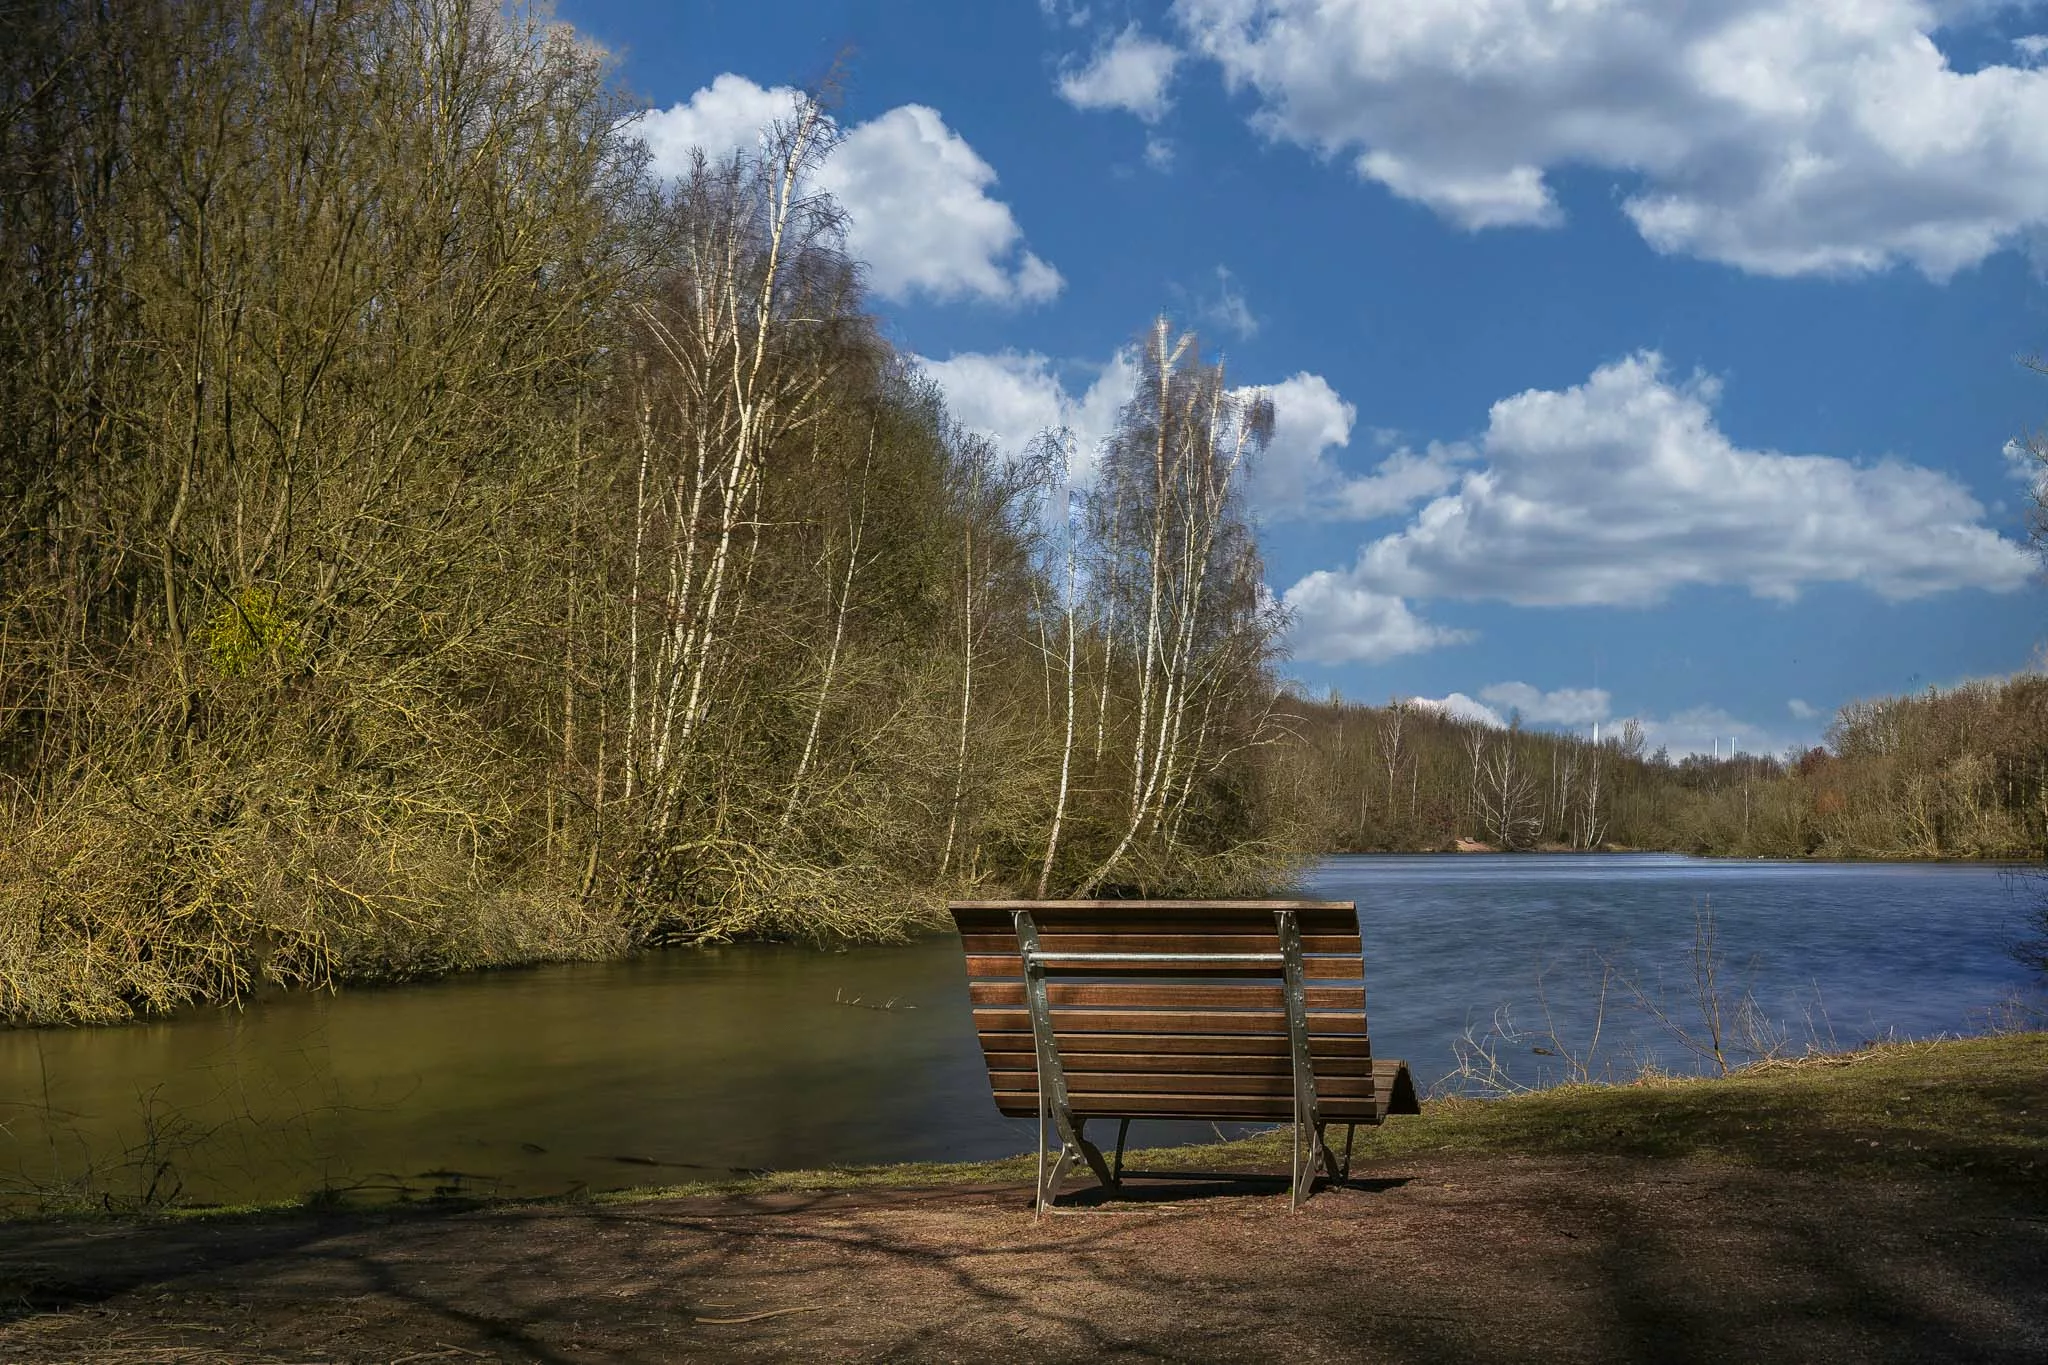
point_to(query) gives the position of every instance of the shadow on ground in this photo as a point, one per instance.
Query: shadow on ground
(1474, 1258)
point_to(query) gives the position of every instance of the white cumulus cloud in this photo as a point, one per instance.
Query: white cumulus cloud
(916, 195)
(1708, 731)
(1572, 706)
(1299, 478)
(1779, 136)
(1622, 489)
(1711, 731)
(731, 114)
(1338, 621)
(1458, 706)
(1010, 397)
(1132, 72)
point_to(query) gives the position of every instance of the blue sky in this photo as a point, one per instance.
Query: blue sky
(1632, 358)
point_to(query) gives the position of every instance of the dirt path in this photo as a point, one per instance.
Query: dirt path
(1472, 1258)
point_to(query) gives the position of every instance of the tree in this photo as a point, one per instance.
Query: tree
(1176, 561)
(1507, 794)
(737, 348)
(303, 298)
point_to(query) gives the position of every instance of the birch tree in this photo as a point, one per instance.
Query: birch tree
(736, 352)
(1175, 553)
(1063, 518)
(1507, 796)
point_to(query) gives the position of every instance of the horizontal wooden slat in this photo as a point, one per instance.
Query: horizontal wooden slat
(1244, 1109)
(1195, 1106)
(1179, 1063)
(1348, 1070)
(1220, 1108)
(1196, 906)
(1347, 1063)
(1157, 995)
(1185, 1083)
(1080, 1062)
(1204, 920)
(1004, 944)
(1321, 1047)
(1312, 968)
(1000, 1020)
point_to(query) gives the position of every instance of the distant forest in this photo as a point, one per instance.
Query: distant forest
(1948, 774)
(427, 541)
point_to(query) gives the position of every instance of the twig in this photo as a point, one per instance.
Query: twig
(447, 1349)
(756, 1317)
(840, 997)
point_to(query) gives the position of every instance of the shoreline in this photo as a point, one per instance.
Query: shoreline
(1884, 1205)
(938, 926)
(1762, 1115)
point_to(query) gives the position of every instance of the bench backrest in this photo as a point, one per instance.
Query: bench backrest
(1173, 1039)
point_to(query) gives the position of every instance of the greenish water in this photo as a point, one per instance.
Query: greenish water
(695, 1065)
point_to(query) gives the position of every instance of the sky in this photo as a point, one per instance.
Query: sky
(1653, 359)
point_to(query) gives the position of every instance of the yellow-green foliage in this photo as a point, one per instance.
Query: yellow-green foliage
(251, 631)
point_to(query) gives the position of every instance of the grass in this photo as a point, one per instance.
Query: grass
(1976, 1108)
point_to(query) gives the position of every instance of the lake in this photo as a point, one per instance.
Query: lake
(698, 1064)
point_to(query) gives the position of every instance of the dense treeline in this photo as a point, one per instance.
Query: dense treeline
(430, 542)
(1947, 774)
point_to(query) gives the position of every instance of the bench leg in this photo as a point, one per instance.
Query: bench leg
(1315, 1160)
(1073, 1143)
(1344, 1169)
(1123, 1130)
(1052, 1082)
(1049, 1182)
(1308, 1119)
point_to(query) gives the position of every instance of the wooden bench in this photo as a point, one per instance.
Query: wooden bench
(1226, 1011)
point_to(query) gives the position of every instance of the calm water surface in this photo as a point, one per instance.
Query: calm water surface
(695, 1064)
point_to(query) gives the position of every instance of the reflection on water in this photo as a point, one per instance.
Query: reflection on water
(670, 1067)
(689, 1065)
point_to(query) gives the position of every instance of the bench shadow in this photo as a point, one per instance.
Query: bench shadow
(1181, 1187)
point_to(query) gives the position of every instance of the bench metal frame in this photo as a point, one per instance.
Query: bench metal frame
(1311, 1154)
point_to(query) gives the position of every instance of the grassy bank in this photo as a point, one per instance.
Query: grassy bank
(1880, 1206)
(1975, 1108)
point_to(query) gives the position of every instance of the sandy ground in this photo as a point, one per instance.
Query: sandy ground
(1472, 1259)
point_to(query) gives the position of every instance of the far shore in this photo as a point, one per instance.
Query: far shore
(1468, 846)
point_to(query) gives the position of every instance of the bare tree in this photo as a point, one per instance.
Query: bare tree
(737, 357)
(1507, 795)
(1174, 551)
(1063, 515)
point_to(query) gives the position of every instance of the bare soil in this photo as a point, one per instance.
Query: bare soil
(1466, 1257)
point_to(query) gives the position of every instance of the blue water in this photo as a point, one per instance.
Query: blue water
(687, 1065)
(1834, 954)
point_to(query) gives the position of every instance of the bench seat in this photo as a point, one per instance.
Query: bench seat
(1226, 1011)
